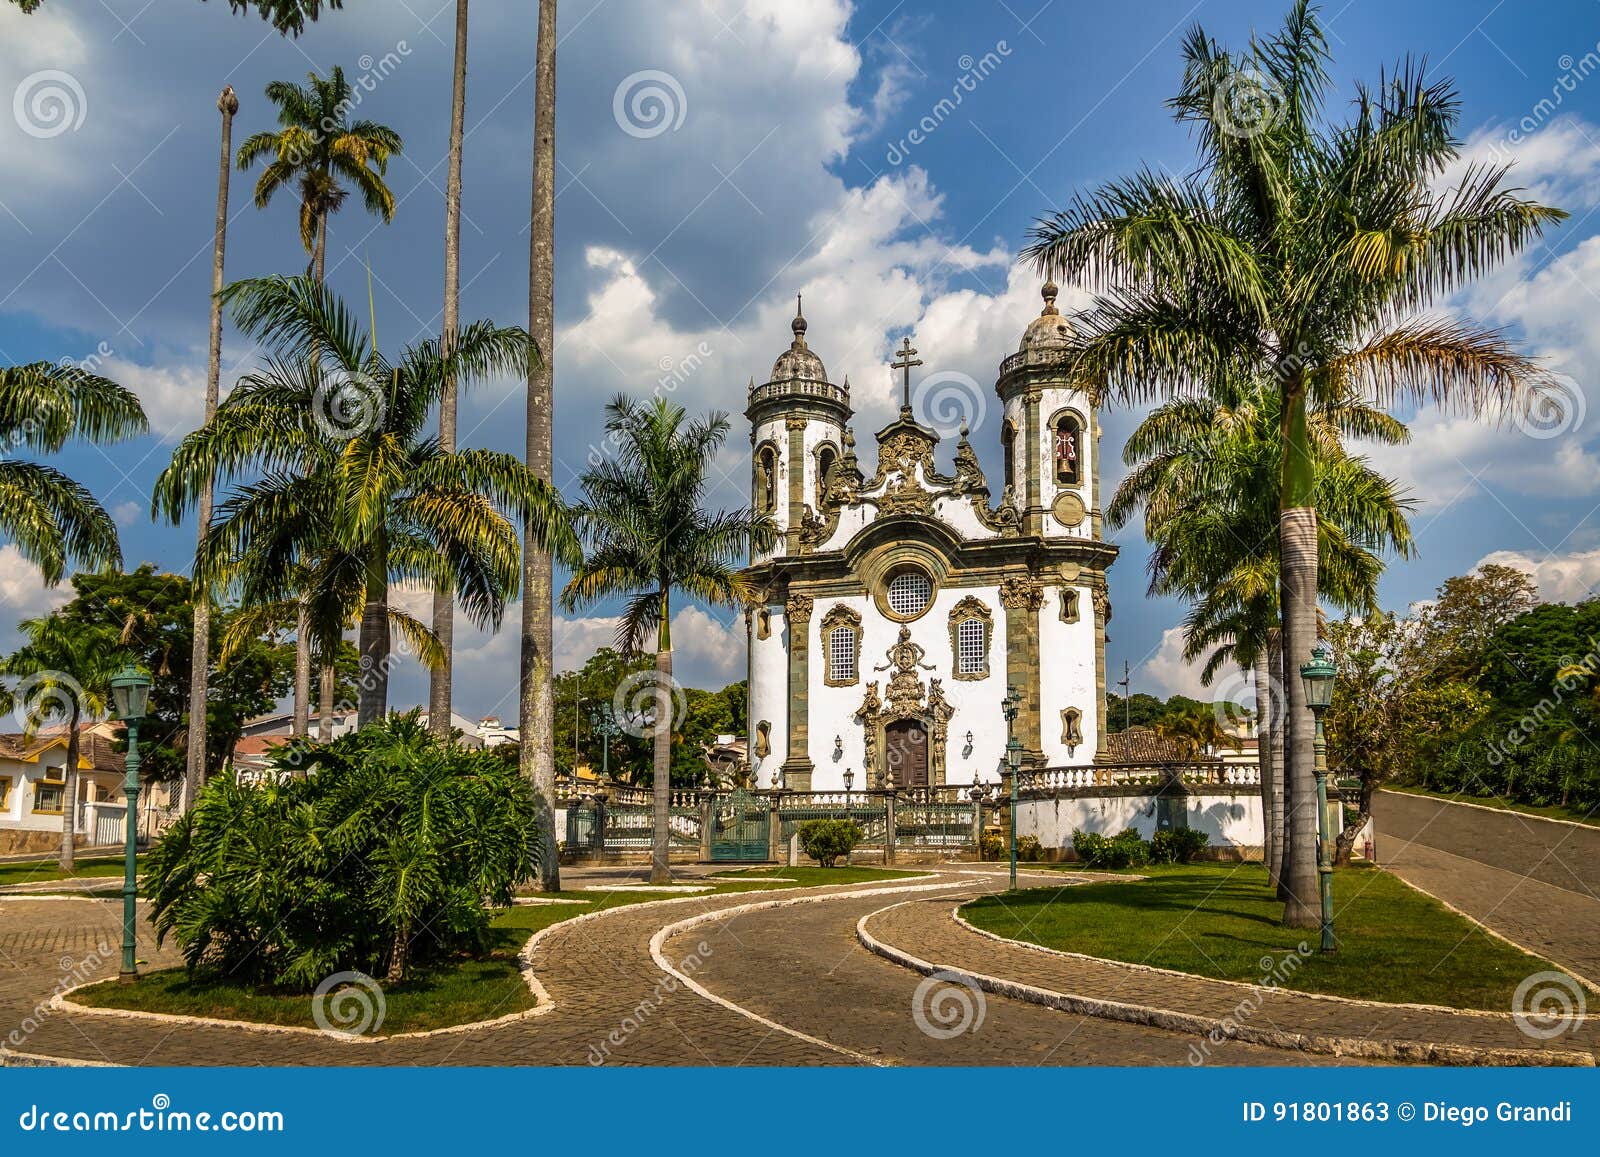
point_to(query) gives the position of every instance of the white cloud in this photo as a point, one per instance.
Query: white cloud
(24, 594)
(1563, 578)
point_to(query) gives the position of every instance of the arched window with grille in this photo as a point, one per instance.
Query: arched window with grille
(970, 625)
(841, 645)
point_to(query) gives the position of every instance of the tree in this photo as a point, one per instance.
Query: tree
(649, 537)
(55, 522)
(151, 617)
(439, 679)
(289, 17)
(1389, 711)
(1466, 612)
(314, 148)
(348, 487)
(227, 105)
(536, 690)
(1303, 253)
(1203, 473)
(65, 674)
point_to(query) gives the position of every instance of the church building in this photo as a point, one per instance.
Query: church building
(894, 610)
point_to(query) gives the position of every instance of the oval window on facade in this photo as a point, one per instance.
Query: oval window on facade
(909, 593)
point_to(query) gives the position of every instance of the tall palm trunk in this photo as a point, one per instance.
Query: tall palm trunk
(200, 661)
(372, 698)
(661, 785)
(536, 706)
(325, 704)
(302, 626)
(1297, 535)
(1261, 671)
(444, 626)
(1280, 795)
(69, 792)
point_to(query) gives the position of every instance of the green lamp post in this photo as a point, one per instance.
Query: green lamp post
(130, 693)
(1318, 677)
(1009, 706)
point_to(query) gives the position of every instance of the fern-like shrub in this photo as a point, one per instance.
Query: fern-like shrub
(386, 848)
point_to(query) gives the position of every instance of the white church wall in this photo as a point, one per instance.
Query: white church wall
(976, 701)
(769, 699)
(1050, 405)
(1229, 820)
(773, 431)
(1067, 676)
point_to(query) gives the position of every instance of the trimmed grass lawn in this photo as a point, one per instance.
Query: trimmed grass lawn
(40, 871)
(1552, 812)
(1221, 921)
(460, 992)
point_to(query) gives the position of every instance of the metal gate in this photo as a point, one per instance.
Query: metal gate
(739, 827)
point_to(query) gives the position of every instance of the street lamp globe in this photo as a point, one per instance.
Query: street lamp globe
(130, 691)
(1318, 676)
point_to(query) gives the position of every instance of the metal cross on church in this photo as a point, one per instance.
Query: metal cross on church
(905, 362)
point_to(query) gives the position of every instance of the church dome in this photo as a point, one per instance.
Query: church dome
(798, 362)
(1048, 332)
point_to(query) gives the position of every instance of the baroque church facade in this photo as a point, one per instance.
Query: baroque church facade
(895, 610)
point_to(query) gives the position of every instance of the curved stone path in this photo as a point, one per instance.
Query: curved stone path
(787, 986)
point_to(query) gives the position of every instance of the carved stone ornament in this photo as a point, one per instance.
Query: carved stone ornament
(1102, 605)
(1072, 727)
(905, 698)
(1020, 592)
(1069, 510)
(798, 608)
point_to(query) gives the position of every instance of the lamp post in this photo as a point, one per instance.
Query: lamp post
(1318, 677)
(130, 691)
(849, 779)
(577, 714)
(1009, 706)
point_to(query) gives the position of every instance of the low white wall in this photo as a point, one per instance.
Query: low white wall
(1229, 819)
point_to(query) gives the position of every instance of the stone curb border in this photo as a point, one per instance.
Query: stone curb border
(1216, 1030)
(1354, 1001)
(1503, 811)
(666, 933)
(544, 1003)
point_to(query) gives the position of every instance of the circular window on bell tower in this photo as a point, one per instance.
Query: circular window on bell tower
(909, 593)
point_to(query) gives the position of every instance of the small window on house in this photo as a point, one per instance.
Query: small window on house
(972, 647)
(50, 793)
(5, 791)
(842, 655)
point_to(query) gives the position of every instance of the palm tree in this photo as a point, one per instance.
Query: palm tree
(649, 537)
(1303, 253)
(536, 698)
(287, 16)
(200, 669)
(315, 146)
(66, 670)
(1203, 471)
(439, 681)
(345, 486)
(53, 520)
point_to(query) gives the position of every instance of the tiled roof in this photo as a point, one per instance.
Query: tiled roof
(1142, 745)
(94, 749)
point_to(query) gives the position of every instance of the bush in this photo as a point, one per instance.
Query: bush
(384, 852)
(1029, 849)
(1177, 845)
(1123, 850)
(826, 840)
(992, 846)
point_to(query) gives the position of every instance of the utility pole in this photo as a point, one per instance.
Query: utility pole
(1127, 707)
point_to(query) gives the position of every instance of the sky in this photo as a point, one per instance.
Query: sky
(885, 159)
